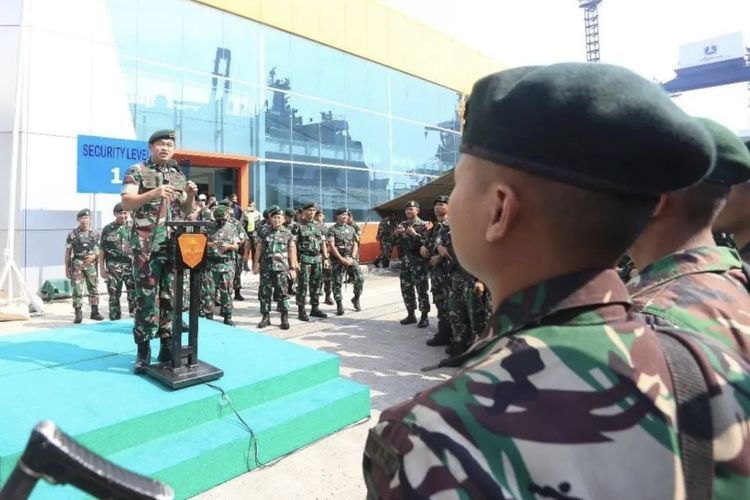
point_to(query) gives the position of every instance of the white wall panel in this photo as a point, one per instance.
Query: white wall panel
(9, 39)
(69, 17)
(10, 12)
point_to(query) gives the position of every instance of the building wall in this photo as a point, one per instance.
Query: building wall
(325, 124)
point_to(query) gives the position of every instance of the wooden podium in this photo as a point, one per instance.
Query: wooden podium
(185, 369)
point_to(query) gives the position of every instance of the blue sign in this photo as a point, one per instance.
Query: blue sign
(103, 161)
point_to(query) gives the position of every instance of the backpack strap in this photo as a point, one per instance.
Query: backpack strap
(695, 425)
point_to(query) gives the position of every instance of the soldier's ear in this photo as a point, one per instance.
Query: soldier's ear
(503, 205)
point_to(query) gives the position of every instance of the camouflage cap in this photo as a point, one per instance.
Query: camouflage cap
(221, 211)
(161, 134)
(412, 203)
(342, 210)
(732, 156)
(84, 212)
(443, 198)
(595, 126)
(118, 208)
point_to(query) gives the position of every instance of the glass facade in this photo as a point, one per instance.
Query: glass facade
(326, 125)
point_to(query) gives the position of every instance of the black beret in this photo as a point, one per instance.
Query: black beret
(596, 126)
(274, 210)
(342, 210)
(307, 205)
(318, 211)
(732, 157)
(289, 212)
(443, 198)
(161, 134)
(412, 203)
(118, 208)
(83, 212)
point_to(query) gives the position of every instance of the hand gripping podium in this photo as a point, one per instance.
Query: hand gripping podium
(185, 369)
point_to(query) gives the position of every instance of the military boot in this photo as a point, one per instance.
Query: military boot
(328, 300)
(339, 308)
(410, 318)
(386, 264)
(315, 311)
(439, 339)
(165, 351)
(265, 320)
(423, 321)
(355, 303)
(228, 319)
(95, 313)
(209, 315)
(114, 316)
(143, 358)
(78, 316)
(302, 314)
(285, 320)
(237, 295)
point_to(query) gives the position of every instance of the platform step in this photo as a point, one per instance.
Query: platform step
(197, 459)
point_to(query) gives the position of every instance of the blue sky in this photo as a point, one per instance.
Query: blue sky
(642, 35)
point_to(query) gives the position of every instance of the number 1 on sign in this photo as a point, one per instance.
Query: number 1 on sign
(116, 179)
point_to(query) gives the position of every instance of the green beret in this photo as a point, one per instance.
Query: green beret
(83, 212)
(220, 211)
(289, 212)
(732, 156)
(274, 210)
(342, 210)
(225, 203)
(307, 205)
(412, 203)
(118, 208)
(161, 134)
(443, 198)
(595, 126)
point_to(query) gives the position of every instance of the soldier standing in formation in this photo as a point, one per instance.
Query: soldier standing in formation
(385, 239)
(344, 250)
(253, 219)
(320, 220)
(734, 218)
(223, 243)
(116, 262)
(313, 258)
(685, 280)
(155, 191)
(81, 253)
(410, 236)
(569, 384)
(439, 274)
(276, 261)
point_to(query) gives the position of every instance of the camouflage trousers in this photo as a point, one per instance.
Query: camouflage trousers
(218, 277)
(310, 276)
(339, 271)
(327, 279)
(84, 274)
(154, 280)
(468, 312)
(440, 284)
(237, 275)
(119, 273)
(273, 285)
(414, 277)
(385, 251)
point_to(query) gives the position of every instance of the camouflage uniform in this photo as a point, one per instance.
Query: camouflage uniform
(568, 396)
(218, 275)
(309, 241)
(118, 262)
(238, 254)
(385, 238)
(274, 267)
(439, 276)
(327, 273)
(153, 248)
(413, 267)
(343, 237)
(83, 244)
(292, 284)
(703, 290)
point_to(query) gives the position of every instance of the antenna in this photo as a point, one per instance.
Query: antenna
(591, 23)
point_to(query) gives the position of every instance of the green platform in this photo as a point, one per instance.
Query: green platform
(80, 377)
